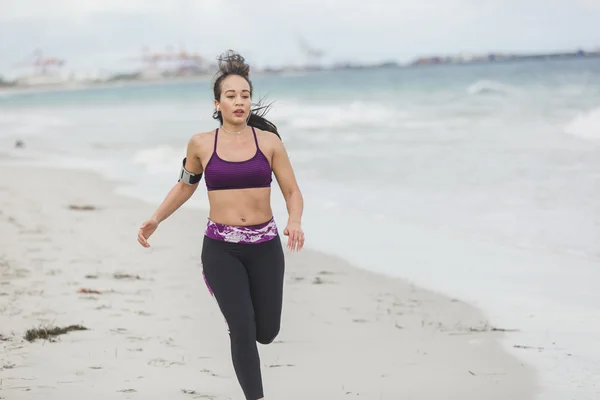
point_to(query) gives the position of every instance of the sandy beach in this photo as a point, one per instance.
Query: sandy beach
(69, 256)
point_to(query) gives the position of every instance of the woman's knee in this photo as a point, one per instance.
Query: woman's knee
(268, 335)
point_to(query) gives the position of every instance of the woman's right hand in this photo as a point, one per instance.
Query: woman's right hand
(146, 230)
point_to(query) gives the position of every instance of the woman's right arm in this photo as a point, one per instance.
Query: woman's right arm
(177, 196)
(181, 192)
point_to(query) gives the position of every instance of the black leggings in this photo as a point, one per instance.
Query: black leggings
(247, 282)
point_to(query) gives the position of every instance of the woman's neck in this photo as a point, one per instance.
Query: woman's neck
(234, 128)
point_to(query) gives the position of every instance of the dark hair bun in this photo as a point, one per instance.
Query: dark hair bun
(231, 63)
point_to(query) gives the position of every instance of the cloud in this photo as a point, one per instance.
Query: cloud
(590, 4)
(75, 10)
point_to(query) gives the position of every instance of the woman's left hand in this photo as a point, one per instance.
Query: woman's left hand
(295, 236)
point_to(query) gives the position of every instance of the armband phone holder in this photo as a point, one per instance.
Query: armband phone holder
(187, 177)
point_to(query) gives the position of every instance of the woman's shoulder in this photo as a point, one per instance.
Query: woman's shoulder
(267, 137)
(201, 139)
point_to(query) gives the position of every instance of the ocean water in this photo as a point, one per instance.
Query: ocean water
(481, 182)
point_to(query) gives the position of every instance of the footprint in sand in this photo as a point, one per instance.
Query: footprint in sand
(13, 221)
(326, 273)
(319, 281)
(127, 277)
(137, 339)
(7, 366)
(209, 372)
(195, 395)
(159, 362)
(281, 365)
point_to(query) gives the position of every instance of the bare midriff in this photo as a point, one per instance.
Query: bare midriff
(240, 207)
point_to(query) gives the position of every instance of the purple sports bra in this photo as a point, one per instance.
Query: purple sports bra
(220, 174)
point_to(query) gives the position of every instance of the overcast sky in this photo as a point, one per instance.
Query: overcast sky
(92, 34)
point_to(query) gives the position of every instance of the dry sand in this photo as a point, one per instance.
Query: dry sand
(156, 333)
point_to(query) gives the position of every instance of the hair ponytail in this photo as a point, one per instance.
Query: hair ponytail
(232, 63)
(257, 119)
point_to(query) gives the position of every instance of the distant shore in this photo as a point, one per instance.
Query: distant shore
(496, 57)
(173, 76)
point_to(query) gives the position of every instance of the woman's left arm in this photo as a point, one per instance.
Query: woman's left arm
(284, 173)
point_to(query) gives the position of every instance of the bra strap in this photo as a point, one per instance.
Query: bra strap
(216, 136)
(255, 139)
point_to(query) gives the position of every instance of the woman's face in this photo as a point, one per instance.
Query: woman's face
(235, 101)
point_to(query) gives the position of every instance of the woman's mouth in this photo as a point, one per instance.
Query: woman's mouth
(238, 113)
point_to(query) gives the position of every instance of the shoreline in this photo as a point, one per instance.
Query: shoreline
(153, 329)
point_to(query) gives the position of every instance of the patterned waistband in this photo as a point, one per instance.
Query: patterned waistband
(242, 234)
